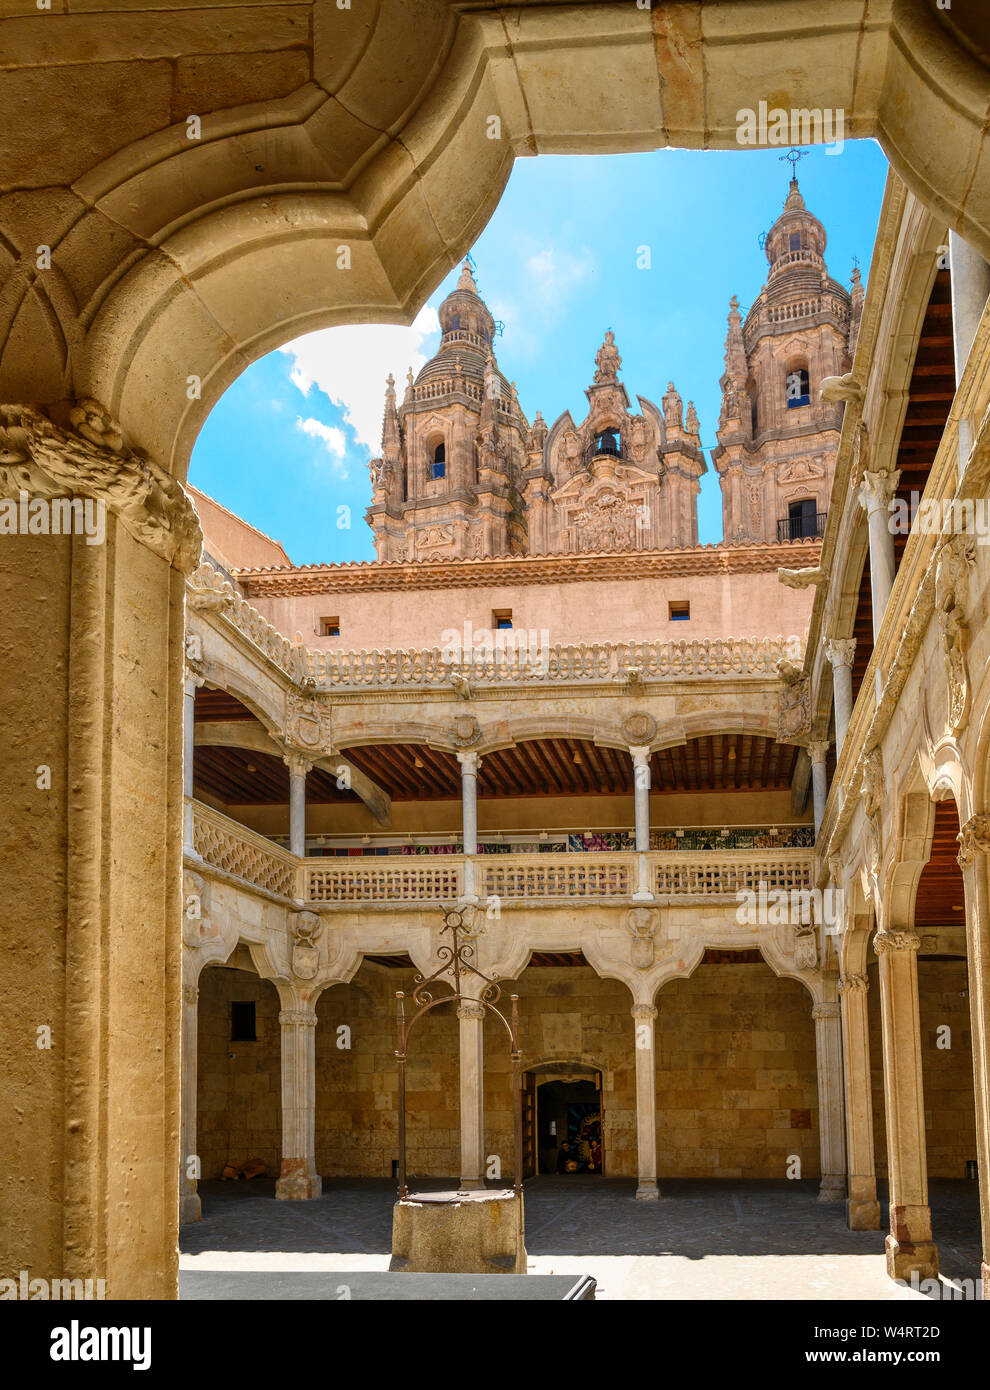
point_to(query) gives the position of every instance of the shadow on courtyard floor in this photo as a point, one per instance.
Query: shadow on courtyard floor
(584, 1215)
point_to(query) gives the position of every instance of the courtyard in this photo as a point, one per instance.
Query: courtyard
(707, 1240)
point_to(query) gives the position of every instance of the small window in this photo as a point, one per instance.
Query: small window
(501, 617)
(679, 610)
(802, 517)
(455, 321)
(329, 627)
(242, 1021)
(439, 465)
(798, 388)
(795, 241)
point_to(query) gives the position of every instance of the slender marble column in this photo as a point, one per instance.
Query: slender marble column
(831, 1134)
(910, 1247)
(840, 652)
(470, 762)
(817, 752)
(644, 1023)
(875, 493)
(188, 753)
(471, 1026)
(641, 796)
(190, 1207)
(298, 767)
(298, 1180)
(974, 860)
(862, 1207)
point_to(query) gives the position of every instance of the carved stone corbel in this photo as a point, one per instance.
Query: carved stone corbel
(642, 923)
(90, 458)
(307, 929)
(974, 839)
(956, 560)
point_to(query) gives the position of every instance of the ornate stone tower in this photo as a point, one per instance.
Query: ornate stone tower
(777, 441)
(447, 485)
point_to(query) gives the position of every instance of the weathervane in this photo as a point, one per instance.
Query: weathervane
(793, 155)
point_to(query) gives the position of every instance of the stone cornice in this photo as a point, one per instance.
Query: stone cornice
(43, 459)
(389, 576)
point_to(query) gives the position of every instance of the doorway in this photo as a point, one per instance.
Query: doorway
(563, 1121)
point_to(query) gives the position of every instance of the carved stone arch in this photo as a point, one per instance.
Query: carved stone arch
(911, 837)
(267, 707)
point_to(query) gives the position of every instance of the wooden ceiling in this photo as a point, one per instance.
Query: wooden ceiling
(216, 706)
(238, 776)
(933, 385)
(940, 889)
(577, 767)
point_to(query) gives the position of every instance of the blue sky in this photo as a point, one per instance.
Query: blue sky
(287, 446)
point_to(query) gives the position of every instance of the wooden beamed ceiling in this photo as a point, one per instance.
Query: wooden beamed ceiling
(939, 901)
(219, 707)
(933, 385)
(239, 776)
(577, 767)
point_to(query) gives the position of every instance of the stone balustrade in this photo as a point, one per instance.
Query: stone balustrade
(226, 845)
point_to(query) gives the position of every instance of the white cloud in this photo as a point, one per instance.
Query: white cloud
(333, 438)
(349, 365)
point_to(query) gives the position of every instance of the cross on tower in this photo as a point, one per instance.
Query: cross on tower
(793, 155)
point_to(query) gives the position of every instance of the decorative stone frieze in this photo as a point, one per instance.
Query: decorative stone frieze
(308, 724)
(895, 941)
(974, 839)
(955, 561)
(642, 923)
(307, 929)
(42, 459)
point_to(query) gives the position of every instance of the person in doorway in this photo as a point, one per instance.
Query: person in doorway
(566, 1162)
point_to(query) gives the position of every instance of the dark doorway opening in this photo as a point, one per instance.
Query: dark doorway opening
(566, 1122)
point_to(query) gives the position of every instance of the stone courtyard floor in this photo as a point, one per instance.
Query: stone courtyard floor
(703, 1240)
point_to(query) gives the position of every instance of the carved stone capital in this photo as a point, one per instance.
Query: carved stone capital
(640, 756)
(854, 984)
(974, 839)
(190, 994)
(877, 489)
(829, 1010)
(90, 458)
(297, 1018)
(470, 762)
(818, 750)
(470, 1008)
(297, 762)
(895, 941)
(839, 651)
(643, 1011)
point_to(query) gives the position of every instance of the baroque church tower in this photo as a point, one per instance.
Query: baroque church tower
(777, 441)
(463, 475)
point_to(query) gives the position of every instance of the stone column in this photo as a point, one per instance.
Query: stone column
(644, 1024)
(875, 493)
(298, 767)
(641, 796)
(471, 1026)
(974, 860)
(970, 285)
(470, 763)
(298, 1179)
(831, 1135)
(909, 1245)
(190, 1207)
(840, 652)
(817, 752)
(91, 705)
(862, 1207)
(188, 753)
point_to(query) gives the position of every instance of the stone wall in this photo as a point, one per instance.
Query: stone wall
(737, 1090)
(566, 1013)
(239, 1085)
(357, 1087)
(950, 1111)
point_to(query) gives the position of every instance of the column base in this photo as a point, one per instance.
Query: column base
(832, 1188)
(863, 1216)
(905, 1259)
(297, 1183)
(471, 1185)
(644, 897)
(648, 1191)
(190, 1208)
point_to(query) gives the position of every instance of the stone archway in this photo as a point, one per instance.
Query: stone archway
(149, 265)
